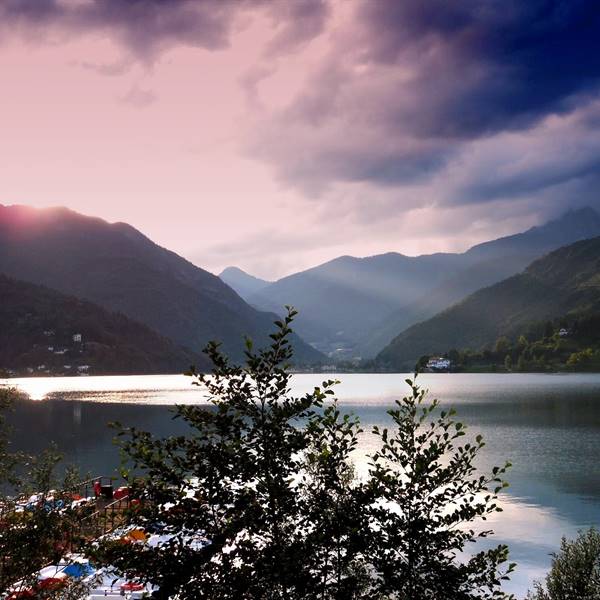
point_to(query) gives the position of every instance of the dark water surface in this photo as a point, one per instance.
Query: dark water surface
(548, 426)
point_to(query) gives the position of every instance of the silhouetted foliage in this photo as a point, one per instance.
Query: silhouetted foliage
(260, 500)
(425, 472)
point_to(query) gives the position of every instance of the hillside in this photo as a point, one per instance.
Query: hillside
(563, 283)
(357, 305)
(38, 325)
(565, 344)
(117, 267)
(243, 283)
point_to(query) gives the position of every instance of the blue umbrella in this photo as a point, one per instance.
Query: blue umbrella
(78, 570)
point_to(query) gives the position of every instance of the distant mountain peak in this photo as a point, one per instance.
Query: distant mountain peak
(584, 211)
(242, 282)
(22, 220)
(236, 270)
(571, 226)
(585, 216)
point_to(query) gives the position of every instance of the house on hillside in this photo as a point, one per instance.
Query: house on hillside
(438, 363)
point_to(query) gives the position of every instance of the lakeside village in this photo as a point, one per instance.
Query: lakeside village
(53, 356)
(68, 354)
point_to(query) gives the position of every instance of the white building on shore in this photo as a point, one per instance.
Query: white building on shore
(438, 363)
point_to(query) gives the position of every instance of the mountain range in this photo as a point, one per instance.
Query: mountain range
(118, 268)
(375, 306)
(353, 307)
(565, 283)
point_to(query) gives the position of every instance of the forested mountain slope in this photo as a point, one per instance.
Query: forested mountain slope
(38, 325)
(563, 283)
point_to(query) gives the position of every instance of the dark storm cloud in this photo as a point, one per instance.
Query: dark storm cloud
(566, 149)
(147, 27)
(488, 66)
(408, 86)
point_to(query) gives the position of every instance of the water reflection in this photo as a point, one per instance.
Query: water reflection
(160, 389)
(548, 426)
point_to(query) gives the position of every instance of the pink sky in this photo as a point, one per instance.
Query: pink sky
(201, 148)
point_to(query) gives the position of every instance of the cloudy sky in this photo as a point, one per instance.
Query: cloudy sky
(277, 134)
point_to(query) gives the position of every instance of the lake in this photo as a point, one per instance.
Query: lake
(548, 426)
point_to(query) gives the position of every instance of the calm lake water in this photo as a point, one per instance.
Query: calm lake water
(548, 426)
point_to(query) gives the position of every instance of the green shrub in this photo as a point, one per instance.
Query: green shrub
(575, 571)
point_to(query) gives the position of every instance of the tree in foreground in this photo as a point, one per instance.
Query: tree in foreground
(575, 571)
(425, 497)
(260, 499)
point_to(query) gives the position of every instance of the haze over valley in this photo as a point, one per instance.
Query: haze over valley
(351, 308)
